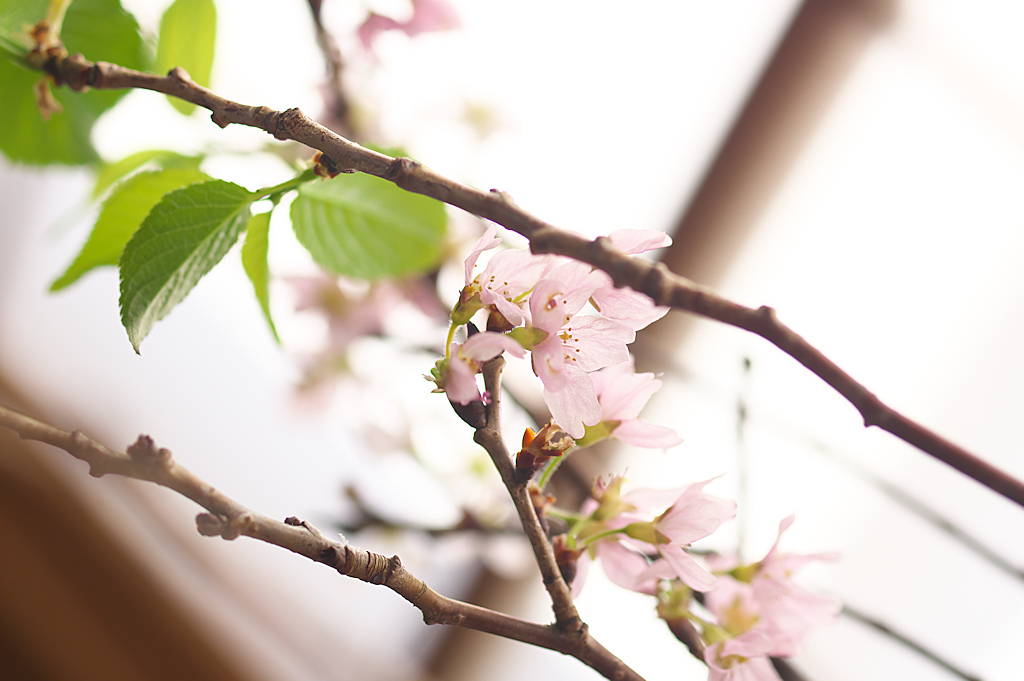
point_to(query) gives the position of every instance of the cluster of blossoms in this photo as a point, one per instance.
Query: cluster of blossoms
(625, 530)
(537, 304)
(759, 611)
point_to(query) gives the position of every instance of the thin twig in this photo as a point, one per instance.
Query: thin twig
(742, 463)
(467, 524)
(785, 669)
(653, 279)
(489, 437)
(338, 106)
(875, 624)
(229, 519)
(922, 510)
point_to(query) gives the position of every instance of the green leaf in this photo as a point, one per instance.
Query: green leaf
(181, 239)
(254, 259)
(13, 45)
(361, 226)
(122, 213)
(99, 29)
(188, 32)
(109, 173)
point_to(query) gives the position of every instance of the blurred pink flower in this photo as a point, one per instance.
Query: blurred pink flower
(741, 659)
(692, 515)
(789, 610)
(427, 16)
(771, 603)
(349, 314)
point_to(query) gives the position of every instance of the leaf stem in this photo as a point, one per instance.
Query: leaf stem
(448, 341)
(55, 15)
(278, 189)
(549, 469)
(601, 535)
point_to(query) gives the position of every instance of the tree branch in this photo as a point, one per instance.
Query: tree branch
(913, 645)
(489, 437)
(655, 280)
(227, 518)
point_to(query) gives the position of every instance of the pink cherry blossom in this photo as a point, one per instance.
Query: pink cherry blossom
(460, 381)
(573, 345)
(509, 275)
(541, 298)
(486, 242)
(771, 603)
(634, 241)
(505, 281)
(622, 394)
(741, 659)
(625, 567)
(625, 305)
(788, 610)
(575, 405)
(427, 16)
(692, 515)
(560, 359)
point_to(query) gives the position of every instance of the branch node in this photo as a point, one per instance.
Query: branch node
(178, 73)
(505, 197)
(210, 525)
(239, 525)
(145, 452)
(393, 564)
(76, 71)
(277, 122)
(379, 569)
(329, 556)
(767, 314)
(215, 524)
(400, 169)
(78, 440)
(81, 448)
(541, 240)
(664, 284)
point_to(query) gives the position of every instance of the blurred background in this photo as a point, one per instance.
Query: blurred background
(851, 163)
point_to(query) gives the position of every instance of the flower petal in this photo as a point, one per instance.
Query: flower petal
(595, 342)
(486, 242)
(575, 406)
(686, 568)
(624, 395)
(649, 435)
(633, 241)
(488, 345)
(626, 306)
(624, 567)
